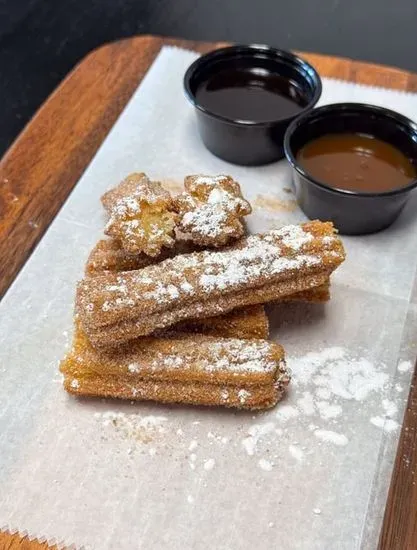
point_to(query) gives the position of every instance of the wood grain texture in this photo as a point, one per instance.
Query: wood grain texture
(43, 165)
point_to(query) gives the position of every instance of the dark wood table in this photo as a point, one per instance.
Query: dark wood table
(46, 161)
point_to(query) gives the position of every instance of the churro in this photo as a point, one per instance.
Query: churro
(141, 215)
(109, 255)
(211, 210)
(246, 323)
(190, 369)
(116, 307)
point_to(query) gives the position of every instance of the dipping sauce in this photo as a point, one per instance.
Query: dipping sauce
(356, 162)
(251, 95)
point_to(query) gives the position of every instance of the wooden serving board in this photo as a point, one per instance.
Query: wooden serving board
(43, 165)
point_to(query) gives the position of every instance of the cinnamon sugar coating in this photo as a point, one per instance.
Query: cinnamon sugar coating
(141, 215)
(192, 369)
(211, 210)
(116, 307)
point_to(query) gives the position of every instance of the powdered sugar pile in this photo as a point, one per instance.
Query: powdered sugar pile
(324, 385)
(332, 373)
(327, 383)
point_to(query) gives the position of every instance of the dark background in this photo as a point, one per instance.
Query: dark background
(41, 40)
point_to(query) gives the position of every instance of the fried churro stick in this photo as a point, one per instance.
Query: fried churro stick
(198, 370)
(114, 308)
(211, 210)
(141, 215)
(316, 295)
(249, 322)
(246, 323)
(109, 255)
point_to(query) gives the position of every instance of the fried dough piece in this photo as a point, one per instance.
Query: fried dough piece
(116, 307)
(211, 210)
(246, 323)
(108, 255)
(190, 369)
(141, 215)
(249, 322)
(316, 295)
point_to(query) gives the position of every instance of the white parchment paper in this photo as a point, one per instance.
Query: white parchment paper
(312, 474)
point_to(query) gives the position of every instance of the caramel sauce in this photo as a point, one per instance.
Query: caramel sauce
(356, 162)
(252, 95)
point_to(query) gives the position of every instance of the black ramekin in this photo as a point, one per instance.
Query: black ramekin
(249, 142)
(352, 212)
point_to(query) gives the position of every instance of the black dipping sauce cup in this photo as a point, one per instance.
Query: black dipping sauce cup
(352, 212)
(250, 142)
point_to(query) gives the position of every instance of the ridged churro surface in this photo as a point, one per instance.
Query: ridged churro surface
(187, 368)
(116, 307)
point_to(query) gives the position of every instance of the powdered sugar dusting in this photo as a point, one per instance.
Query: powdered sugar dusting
(306, 403)
(338, 374)
(265, 465)
(386, 424)
(328, 410)
(260, 258)
(296, 452)
(330, 436)
(209, 464)
(285, 412)
(294, 237)
(404, 366)
(211, 209)
(255, 433)
(243, 395)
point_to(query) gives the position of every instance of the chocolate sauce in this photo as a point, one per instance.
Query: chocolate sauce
(251, 95)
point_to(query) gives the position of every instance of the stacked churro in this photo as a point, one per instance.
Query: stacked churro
(167, 312)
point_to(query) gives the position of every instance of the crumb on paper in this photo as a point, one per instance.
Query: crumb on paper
(273, 204)
(134, 427)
